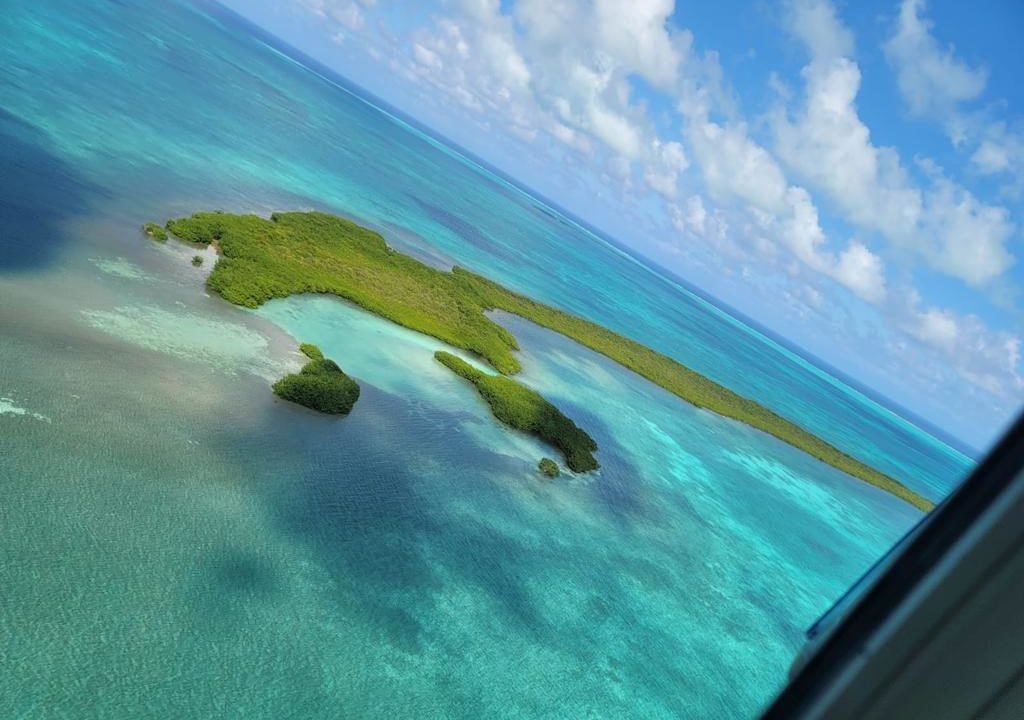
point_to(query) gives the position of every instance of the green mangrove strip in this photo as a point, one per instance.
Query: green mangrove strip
(524, 409)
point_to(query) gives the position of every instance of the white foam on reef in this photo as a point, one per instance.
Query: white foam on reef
(227, 346)
(8, 407)
(120, 267)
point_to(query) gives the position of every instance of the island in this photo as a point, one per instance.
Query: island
(320, 385)
(548, 467)
(524, 409)
(155, 231)
(313, 252)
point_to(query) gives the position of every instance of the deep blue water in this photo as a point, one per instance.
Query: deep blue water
(174, 542)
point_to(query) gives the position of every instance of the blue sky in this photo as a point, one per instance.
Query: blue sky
(850, 174)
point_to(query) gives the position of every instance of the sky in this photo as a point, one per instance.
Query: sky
(848, 174)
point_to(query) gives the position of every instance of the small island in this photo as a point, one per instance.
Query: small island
(313, 252)
(320, 385)
(155, 231)
(524, 409)
(197, 260)
(548, 467)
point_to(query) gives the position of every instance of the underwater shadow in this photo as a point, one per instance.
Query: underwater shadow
(224, 582)
(465, 230)
(379, 528)
(38, 193)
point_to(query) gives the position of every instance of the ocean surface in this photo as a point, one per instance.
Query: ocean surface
(175, 542)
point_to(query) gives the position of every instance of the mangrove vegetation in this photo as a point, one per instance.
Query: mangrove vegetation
(548, 467)
(524, 409)
(312, 252)
(155, 231)
(320, 385)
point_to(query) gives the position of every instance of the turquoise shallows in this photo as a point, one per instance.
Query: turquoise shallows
(175, 542)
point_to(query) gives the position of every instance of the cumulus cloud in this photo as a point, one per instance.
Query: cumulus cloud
(563, 70)
(988, 359)
(991, 157)
(668, 161)
(937, 328)
(733, 165)
(800, 228)
(692, 217)
(736, 167)
(937, 84)
(695, 219)
(967, 238)
(816, 24)
(861, 270)
(827, 144)
(856, 267)
(1000, 152)
(932, 79)
(634, 33)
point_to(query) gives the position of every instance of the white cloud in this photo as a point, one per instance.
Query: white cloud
(856, 267)
(991, 157)
(668, 161)
(801, 231)
(349, 15)
(706, 239)
(1001, 152)
(695, 219)
(816, 24)
(733, 165)
(345, 12)
(317, 7)
(938, 85)
(427, 58)
(827, 144)
(634, 33)
(861, 271)
(563, 69)
(967, 238)
(933, 80)
(692, 217)
(988, 359)
(629, 34)
(937, 328)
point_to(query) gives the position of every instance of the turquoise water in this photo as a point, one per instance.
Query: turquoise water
(174, 542)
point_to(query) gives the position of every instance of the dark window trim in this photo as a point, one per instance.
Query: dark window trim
(947, 524)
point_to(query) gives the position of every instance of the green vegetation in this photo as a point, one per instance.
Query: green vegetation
(311, 351)
(521, 408)
(320, 385)
(155, 231)
(316, 253)
(548, 467)
(197, 260)
(296, 253)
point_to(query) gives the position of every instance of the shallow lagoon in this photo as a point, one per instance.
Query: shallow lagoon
(408, 559)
